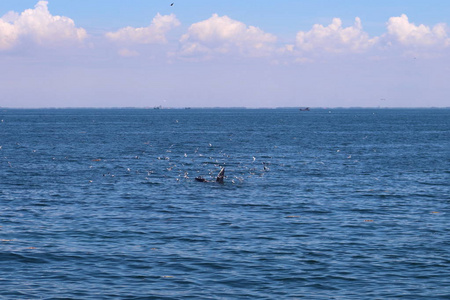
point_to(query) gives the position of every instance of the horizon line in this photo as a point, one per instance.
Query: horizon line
(229, 107)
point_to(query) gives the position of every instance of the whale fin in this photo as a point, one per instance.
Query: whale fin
(221, 175)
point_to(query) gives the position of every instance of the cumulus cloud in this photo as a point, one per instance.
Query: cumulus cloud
(334, 38)
(401, 31)
(155, 33)
(8, 35)
(38, 26)
(222, 35)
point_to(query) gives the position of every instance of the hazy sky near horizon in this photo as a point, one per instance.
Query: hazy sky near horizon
(198, 53)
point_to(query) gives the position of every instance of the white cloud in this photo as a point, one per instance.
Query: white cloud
(8, 35)
(401, 31)
(222, 35)
(155, 33)
(334, 38)
(10, 17)
(40, 27)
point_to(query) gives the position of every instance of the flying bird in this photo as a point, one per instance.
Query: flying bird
(171, 4)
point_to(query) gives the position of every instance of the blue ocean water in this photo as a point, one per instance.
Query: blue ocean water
(326, 204)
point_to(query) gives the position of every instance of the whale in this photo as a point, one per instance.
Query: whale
(221, 175)
(219, 178)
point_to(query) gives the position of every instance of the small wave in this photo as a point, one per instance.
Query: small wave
(11, 257)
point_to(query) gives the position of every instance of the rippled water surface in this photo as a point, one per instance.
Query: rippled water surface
(326, 204)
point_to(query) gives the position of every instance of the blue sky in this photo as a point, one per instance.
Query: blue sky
(253, 53)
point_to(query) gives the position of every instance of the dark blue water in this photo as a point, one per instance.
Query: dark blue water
(327, 204)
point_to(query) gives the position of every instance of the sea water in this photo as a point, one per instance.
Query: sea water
(325, 204)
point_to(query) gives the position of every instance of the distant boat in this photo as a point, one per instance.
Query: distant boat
(305, 109)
